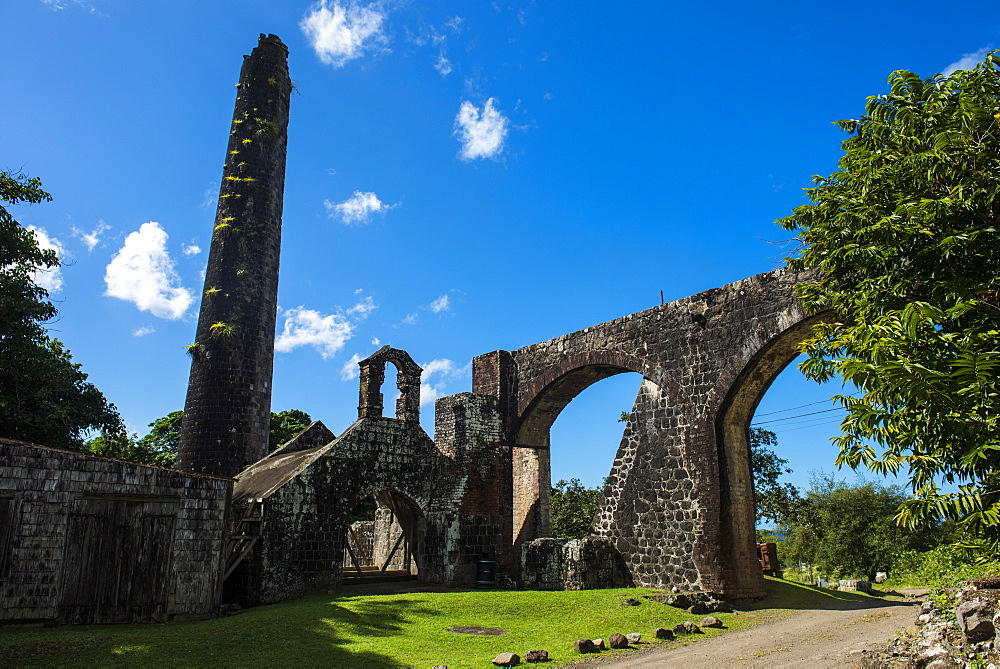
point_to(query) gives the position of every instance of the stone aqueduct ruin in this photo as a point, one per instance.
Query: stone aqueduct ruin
(678, 508)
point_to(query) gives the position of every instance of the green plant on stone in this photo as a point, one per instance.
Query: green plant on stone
(222, 329)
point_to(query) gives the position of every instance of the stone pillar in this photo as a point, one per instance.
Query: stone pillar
(228, 407)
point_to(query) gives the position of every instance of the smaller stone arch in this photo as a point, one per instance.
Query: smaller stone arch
(543, 399)
(393, 540)
(407, 380)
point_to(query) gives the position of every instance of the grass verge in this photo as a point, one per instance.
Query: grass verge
(348, 630)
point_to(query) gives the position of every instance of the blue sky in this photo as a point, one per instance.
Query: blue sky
(462, 176)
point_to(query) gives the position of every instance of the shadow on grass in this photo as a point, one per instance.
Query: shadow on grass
(792, 595)
(310, 630)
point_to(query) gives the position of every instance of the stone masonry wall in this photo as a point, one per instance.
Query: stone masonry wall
(95, 540)
(573, 564)
(653, 519)
(467, 429)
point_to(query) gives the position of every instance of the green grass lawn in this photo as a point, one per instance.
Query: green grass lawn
(347, 630)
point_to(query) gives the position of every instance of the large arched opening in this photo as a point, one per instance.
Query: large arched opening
(531, 456)
(737, 515)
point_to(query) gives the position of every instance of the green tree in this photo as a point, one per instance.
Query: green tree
(850, 531)
(286, 425)
(574, 508)
(775, 501)
(114, 445)
(159, 447)
(44, 396)
(904, 236)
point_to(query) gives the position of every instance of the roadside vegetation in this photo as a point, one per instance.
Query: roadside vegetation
(348, 630)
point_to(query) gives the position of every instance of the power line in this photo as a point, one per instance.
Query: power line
(811, 413)
(801, 406)
(804, 427)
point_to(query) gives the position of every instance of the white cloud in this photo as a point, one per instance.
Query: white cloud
(443, 65)
(967, 61)
(438, 373)
(143, 331)
(191, 250)
(408, 319)
(50, 279)
(93, 238)
(440, 304)
(363, 308)
(375, 341)
(455, 23)
(142, 273)
(327, 333)
(350, 369)
(210, 196)
(482, 132)
(56, 5)
(339, 32)
(357, 208)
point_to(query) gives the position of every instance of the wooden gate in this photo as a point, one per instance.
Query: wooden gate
(116, 565)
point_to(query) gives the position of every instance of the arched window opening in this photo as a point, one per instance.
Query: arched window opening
(390, 391)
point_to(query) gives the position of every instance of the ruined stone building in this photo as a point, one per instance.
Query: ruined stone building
(242, 525)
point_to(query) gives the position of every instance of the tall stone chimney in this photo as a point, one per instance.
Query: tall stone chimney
(228, 407)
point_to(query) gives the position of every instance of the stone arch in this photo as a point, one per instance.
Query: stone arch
(398, 530)
(370, 403)
(540, 403)
(734, 399)
(542, 400)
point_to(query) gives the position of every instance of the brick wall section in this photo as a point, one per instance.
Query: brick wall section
(227, 412)
(50, 490)
(679, 504)
(468, 430)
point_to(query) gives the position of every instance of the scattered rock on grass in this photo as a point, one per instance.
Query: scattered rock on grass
(665, 634)
(617, 640)
(507, 660)
(711, 621)
(584, 646)
(691, 628)
(633, 637)
(632, 602)
(536, 656)
(600, 644)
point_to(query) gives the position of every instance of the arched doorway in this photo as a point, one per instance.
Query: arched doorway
(384, 539)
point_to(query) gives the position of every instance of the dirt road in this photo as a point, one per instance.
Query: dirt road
(817, 639)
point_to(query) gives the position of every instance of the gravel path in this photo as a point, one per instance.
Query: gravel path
(817, 639)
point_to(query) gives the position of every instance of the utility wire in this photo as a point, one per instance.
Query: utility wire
(803, 427)
(801, 406)
(811, 413)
